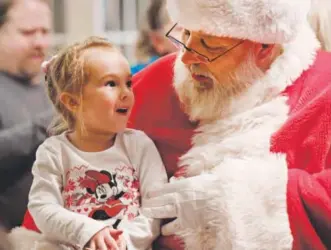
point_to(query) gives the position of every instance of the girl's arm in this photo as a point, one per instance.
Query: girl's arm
(142, 231)
(47, 207)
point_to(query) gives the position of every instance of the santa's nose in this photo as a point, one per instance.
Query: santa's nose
(192, 57)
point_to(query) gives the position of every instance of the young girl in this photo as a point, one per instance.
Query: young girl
(88, 177)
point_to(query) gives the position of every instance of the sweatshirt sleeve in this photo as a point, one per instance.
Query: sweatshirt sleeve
(47, 207)
(142, 231)
(309, 209)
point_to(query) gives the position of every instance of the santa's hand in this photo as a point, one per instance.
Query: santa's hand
(192, 201)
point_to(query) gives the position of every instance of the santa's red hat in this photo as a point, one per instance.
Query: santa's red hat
(264, 21)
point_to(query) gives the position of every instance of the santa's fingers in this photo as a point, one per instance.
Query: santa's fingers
(170, 205)
(160, 212)
(199, 184)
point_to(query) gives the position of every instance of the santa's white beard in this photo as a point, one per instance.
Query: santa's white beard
(210, 103)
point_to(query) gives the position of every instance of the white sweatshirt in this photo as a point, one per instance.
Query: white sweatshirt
(75, 194)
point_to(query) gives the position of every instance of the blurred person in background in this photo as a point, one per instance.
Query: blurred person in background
(24, 108)
(320, 20)
(152, 43)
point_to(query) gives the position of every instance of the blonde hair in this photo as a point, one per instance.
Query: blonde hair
(320, 20)
(67, 73)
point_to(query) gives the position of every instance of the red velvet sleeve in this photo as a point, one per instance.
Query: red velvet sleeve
(309, 209)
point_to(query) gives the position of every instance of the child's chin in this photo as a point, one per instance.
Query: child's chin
(120, 129)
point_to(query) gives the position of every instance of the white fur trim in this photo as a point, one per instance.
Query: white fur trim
(265, 21)
(252, 209)
(21, 238)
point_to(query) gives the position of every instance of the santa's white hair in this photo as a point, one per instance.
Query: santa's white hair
(320, 20)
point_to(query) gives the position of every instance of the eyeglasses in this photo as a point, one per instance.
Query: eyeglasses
(201, 56)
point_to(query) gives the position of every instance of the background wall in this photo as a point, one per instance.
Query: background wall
(118, 20)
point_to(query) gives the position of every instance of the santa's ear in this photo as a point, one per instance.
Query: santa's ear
(263, 54)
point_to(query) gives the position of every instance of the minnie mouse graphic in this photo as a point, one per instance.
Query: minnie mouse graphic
(103, 186)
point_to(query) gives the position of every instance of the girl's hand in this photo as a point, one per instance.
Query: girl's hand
(117, 235)
(103, 240)
(169, 243)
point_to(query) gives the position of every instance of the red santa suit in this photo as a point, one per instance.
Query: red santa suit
(305, 138)
(272, 154)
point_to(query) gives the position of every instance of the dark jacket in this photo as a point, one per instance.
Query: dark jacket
(25, 113)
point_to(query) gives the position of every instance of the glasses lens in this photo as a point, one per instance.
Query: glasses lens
(178, 36)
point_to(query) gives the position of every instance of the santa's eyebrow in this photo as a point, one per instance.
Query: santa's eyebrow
(204, 44)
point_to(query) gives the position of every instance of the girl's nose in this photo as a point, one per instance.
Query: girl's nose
(125, 92)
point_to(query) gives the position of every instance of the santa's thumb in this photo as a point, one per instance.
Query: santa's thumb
(171, 228)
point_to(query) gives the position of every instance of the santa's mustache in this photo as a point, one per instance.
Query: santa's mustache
(196, 69)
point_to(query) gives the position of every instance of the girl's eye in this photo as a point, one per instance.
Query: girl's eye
(111, 84)
(129, 84)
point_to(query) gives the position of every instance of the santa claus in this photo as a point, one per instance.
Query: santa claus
(246, 107)
(243, 113)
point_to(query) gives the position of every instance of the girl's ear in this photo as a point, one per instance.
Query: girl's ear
(69, 101)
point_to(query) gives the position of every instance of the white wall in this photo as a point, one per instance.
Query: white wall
(117, 20)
